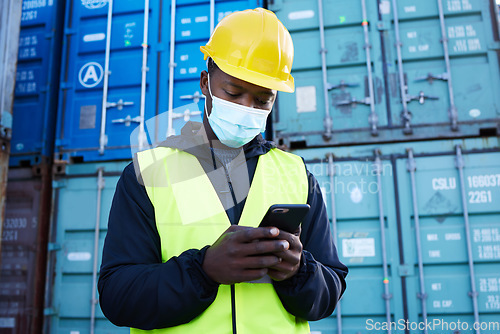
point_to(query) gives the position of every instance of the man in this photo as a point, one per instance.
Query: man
(184, 253)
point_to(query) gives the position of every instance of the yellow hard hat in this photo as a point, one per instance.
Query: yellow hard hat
(254, 46)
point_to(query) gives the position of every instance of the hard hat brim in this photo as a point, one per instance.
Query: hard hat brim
(252, 77)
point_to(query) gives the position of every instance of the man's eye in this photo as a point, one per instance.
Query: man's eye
(263, 102)
(232, 94)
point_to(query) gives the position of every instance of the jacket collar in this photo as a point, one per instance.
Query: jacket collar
(193, 140)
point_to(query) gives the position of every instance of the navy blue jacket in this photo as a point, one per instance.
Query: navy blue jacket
(138, 290)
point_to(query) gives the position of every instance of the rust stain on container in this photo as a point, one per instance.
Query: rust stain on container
(4, 168)
(24, 241)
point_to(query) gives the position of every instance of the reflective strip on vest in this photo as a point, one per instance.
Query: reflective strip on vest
(190, 215)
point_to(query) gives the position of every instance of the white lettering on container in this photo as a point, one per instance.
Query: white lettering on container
(200, 19)
(478, 197)
(443, 183)
(412, 34)
(385, 7)
(493, 302)
(447, 303)
(484, 181)
(34, 4)
(410, 9)
(434, 253)
(94, 4)
(452, 236)
(432, 237)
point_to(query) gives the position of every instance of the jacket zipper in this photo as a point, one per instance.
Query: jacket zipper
(233, 293)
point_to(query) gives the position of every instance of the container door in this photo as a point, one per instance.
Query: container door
(37, 81)
(23, 271)
(460, 287)
(360, 206)
(301, 115)
(458, 83)
(81, 133)
(74, 223)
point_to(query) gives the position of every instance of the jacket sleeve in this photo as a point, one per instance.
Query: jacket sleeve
(136, 289)
(314, 291)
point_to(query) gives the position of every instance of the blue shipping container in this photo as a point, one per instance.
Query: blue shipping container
(434, 200)
(87, 130)
(37, 82)
(384, 75)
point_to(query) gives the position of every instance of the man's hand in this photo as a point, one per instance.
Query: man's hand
(290, 258)
(244, 254)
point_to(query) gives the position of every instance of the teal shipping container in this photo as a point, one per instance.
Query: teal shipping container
(418, 225)
(82, 200)
(383, 71)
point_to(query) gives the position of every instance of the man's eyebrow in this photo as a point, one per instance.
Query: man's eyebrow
(229, 83)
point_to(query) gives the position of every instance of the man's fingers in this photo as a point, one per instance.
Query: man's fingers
(264, 247)
(252, 274)
(277, 275)
(250, 234)
(256, 262)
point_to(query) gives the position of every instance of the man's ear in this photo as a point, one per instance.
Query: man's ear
(204, 83)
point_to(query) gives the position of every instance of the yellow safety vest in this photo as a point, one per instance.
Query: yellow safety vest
(190, 215)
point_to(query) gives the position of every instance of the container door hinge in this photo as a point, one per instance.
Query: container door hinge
(49, 311)
(52, 246)
(406, 270)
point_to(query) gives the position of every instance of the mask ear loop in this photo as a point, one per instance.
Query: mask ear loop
(209, 92)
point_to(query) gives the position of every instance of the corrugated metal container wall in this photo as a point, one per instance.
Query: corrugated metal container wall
(435, 200)
(37, 82)
(363, 218)
(24, 249)
(86, 130)
(362, 58)
(82, 200)
(454, 208)
(10, 18)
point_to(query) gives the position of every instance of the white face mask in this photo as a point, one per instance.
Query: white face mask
(235, 124)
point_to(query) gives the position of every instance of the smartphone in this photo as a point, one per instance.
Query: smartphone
(286, 217)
